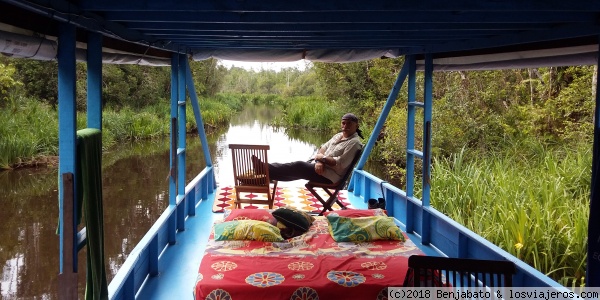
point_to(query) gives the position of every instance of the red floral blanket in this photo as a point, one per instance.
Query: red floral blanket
(310, 266)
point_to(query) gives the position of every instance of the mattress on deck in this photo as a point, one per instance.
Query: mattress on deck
(310, 266)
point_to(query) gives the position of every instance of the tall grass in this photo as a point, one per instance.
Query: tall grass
(531, 201)
(312, 112)
(299, 112)
(236, 101)
(29, 129)
(217, 110)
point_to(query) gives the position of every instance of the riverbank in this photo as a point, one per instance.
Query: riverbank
(29, 128)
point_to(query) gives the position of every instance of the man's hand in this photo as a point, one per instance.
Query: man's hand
(319, 168)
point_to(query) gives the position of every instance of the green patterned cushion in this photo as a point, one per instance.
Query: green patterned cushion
(363, 229)
(252, 230)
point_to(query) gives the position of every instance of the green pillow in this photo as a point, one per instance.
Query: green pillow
(293, 218)
(252, 230)
(363, 229)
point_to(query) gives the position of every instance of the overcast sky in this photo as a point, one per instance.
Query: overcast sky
(257, 66)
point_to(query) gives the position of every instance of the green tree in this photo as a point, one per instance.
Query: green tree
(571, 110)
(208, 76)
(299, 83)
(362, 87)
(39, 78)
(135, 86)
(239, 81)
(7, 82)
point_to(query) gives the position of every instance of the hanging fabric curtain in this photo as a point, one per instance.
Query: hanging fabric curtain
(89, 197)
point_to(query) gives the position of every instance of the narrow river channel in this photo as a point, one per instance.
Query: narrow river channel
(135, 193)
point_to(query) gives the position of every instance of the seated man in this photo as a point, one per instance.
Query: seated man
(331, 161)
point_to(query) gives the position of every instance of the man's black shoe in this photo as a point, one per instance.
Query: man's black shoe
(381, 203)
(373, 204)
(257, 165)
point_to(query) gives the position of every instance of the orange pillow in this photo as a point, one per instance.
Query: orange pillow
(251, 214)
(357, 213)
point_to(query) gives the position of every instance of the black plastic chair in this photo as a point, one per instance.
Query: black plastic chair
(434, 271)
(332, 189)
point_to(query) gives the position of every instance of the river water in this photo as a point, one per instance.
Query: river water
(135, 193)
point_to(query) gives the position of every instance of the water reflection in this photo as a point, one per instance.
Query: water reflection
(135, 193)
(248, 130)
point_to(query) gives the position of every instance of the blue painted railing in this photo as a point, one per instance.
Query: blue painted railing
(143, 260)
(446, 237)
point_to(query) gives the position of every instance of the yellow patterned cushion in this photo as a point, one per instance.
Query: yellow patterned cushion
(363, 229)
(252, 230)
(357, 213)
(250, 178)
(251, 214)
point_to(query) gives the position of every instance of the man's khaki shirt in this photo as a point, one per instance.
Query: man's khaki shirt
(343, 151)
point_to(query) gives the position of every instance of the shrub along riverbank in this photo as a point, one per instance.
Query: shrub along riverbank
(529, 198)
(29, 128)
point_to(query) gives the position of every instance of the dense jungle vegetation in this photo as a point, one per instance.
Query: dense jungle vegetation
(511, 148)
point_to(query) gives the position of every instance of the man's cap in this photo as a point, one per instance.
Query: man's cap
(350, 117)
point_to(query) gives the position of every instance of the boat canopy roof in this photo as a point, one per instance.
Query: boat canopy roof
(461, 35)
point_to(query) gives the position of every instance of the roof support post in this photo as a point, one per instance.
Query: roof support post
(181, 116)
(592, 276)
(66, 116)
(173, 150)
(410, 121)
(67, 144)
(94, 80)
(427, 115)
(181, 143)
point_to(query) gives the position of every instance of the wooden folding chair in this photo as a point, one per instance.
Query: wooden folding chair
(332, 189)
(251, 178)
(434, 271)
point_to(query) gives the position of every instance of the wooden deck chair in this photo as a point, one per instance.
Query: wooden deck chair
(332, 189)
(247, 179)
(434, 271)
